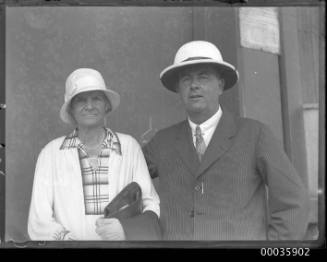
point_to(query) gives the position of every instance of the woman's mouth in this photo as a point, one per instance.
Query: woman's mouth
(90, 115)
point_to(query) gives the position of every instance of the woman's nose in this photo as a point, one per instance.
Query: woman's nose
(89, 104)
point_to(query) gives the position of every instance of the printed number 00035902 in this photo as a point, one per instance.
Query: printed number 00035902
(287, 252)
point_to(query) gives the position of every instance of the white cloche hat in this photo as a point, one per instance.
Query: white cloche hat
(84, 80)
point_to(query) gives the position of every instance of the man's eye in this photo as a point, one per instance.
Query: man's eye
(203, 76)
(184, 79)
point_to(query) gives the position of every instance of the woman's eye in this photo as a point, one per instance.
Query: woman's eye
(79, 100)
(98, 98)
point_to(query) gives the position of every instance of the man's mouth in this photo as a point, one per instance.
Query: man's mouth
(195, 96)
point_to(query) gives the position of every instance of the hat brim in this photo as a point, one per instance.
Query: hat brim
(112, 96)
(169, 75)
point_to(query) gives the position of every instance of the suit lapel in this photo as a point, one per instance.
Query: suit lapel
(185, 148)
(219, 143)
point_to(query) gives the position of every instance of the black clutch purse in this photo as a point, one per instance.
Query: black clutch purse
(126, 204)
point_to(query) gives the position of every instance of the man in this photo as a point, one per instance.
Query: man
(221, 177)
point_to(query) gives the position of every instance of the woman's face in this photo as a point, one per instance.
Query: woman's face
(89, 109)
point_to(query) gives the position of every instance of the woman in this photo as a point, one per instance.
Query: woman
(78, 175)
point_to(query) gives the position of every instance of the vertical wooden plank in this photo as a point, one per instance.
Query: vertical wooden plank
(261, 90)
(198, 23)
(308, 31)
(291, 91)
(220, 28)
(239, 63)
(322, 122)
(259, 74)
(2, 122)
(311, 123)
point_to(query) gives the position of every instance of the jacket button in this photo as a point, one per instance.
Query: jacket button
(197, 188)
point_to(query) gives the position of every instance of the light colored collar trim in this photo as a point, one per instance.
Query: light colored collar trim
(111, 141)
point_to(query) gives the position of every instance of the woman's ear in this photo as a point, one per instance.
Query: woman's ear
(69, 111)
(108, 106)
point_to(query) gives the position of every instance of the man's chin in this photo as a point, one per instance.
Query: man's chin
(195, 109)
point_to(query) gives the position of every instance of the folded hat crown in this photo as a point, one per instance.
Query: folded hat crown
(83, 79)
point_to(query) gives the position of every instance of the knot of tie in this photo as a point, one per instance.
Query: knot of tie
(199, 142)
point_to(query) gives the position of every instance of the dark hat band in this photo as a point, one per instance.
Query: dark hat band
(196, 58)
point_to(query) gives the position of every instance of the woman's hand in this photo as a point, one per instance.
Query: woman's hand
(109, 229)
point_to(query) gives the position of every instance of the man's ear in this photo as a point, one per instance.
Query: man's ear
(221, 85)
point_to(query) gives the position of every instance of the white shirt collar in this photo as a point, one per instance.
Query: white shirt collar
(212, 122)
(208, 127)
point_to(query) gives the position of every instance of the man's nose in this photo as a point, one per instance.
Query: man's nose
(195, 83)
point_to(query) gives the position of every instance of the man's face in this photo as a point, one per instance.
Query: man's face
(90, 108)
(200, 87)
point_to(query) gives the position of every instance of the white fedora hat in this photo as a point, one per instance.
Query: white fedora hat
(84, 80)
(198, 52)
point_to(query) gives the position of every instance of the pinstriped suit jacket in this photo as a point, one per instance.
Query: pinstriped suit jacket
(224, 196)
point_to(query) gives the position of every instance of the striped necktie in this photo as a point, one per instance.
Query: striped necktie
(200, 146)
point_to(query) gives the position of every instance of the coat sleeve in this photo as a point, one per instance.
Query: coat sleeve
(288, 199)
(145, 226)
(149, 151)
(142, 227)
(42, 224)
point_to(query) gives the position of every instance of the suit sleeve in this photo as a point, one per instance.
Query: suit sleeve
(288, 199)
(149, 151)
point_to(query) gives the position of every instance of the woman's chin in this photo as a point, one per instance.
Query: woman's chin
(91, 124)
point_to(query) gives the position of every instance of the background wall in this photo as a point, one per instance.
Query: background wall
(128, 45)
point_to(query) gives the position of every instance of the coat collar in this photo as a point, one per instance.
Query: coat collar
(220, 142)
(185, 148)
